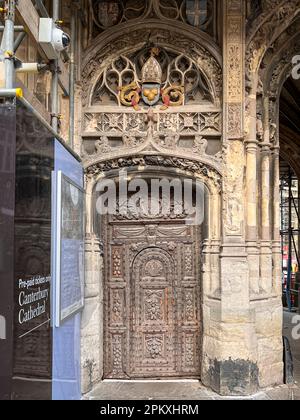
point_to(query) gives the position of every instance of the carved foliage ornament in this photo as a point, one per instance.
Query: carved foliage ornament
(154, 346)
(153, 306)
(193, 167)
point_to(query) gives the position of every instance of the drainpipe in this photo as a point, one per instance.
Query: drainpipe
(54, 84)
(72, 74)
(9, 44)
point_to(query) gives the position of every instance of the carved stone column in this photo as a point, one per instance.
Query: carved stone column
(252, 190)
(251, 201)
(265, 174)
(277, 269)
(251, 194)
(266, 248)
(265, 232)
(231, 366)
(92, 325)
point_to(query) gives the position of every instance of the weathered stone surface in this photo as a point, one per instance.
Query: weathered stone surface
(230, 142)
(233, 377)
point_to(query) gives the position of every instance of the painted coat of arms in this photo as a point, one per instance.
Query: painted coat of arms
(196, 12)
(107, 12)
(150, 90)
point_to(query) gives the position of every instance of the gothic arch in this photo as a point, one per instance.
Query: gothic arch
(175, 128)
(261, 36)
(175, 36)
(275, 69)
(290, 149)
(165, 165)
(161, 255)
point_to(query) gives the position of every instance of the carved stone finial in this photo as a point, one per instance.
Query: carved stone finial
(151, 71)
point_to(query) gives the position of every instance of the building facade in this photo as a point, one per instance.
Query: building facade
(188, 90)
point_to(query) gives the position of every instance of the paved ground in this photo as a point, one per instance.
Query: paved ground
(295, 345)
(178, 391)
(193, 390)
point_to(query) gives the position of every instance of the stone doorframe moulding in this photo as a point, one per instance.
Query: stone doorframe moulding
(242, 310)
(92, 329)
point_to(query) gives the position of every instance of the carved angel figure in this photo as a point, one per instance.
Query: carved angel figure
(131, 141)
(200, 145)
(102, 145)
(170, 141)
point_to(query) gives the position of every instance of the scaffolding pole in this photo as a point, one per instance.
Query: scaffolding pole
(55, 81)
(290, 216)
(72, 72)
(290, 255)
(9, 41)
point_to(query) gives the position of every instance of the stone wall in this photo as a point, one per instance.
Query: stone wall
(242, 309)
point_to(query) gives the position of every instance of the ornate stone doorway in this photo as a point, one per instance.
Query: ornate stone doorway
(152, 299)
(152, 104)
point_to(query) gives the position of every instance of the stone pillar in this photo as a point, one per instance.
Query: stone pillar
(91, 325)
(251, 185)
(265, 174)
(265, 192)
(252, 205)
(266, 244)
(267, 305)
(230, 365)
(277, 265)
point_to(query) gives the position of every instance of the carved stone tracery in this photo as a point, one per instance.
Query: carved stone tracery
(99, 62)
(121, 82)
(277, 16)
(106, 14)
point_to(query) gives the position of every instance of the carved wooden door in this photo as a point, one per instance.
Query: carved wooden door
(152, 300)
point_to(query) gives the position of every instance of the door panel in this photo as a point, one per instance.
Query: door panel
(153, 335)
(152, 319)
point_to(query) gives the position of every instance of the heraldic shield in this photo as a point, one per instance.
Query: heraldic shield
(108, 12)
(151, 93)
